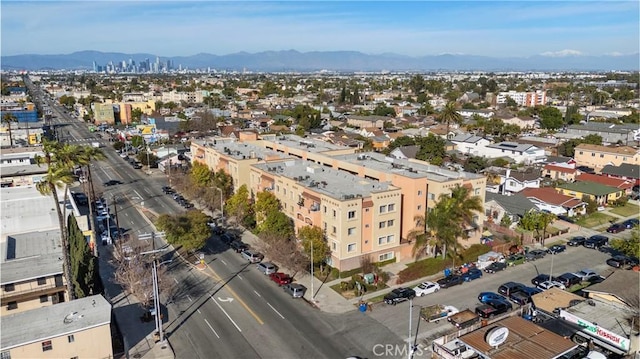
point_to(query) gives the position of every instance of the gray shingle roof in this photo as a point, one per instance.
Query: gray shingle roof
(625, 169)
(515, 205)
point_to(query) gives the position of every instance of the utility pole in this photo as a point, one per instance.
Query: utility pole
(312, 292)
(115, 208)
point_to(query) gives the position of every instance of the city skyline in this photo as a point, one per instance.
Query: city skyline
(167, 28)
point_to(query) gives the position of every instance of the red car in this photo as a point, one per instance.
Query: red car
(280, 278)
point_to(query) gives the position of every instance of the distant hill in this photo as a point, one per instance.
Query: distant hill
(292, 60)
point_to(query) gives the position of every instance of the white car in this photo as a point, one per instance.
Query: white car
(550, 284)
(586, 274)
(425, 288)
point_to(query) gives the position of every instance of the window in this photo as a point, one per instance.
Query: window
(351, 231)
(74, 357)
(386, 256)
(390, 223)
(601, 155)
(334, 213)
(44, 298)
(47, 346)
(392, 207)
(593, 154)
(351, 247)
(12, 305)
(366, 210)
(385, 239)
(334, 246)
(5, 355)
(432, 196)
(284, 191)
(9, 287)
(382, 224)
(383, 209)
(71, 338)
(42, 281)
(333, 229)
(419, 207)
(580, 152)
(419, 193)
(351, 214)
(324, 209)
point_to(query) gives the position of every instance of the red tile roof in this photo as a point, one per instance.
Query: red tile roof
(551, 196)
(608, 181)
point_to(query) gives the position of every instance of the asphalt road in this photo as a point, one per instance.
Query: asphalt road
(231, 310)
(464, 296)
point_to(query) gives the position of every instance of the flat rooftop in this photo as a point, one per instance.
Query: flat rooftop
(42, 324)
(23, 210)
(307, 144)
(241, 150)
(333, 183)
(30, 256)
(401, 167)
(608, 315)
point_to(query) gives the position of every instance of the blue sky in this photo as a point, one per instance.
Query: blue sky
(415, 28)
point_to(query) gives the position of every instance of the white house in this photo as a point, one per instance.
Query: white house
(520, 153)
(467, 113)
(470, 144)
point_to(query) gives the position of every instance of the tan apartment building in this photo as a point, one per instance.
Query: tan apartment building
(596, 156)
(31, 275)
(103, 113)
(358, 216)
(76, 329)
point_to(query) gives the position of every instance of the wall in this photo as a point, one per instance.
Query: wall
(90, 343)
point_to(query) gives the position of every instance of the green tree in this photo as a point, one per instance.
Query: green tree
(537, 221)
(567, 148)
(189, 231)
(417, 84)
(118, 145)
(237, 206)
(137, 141)
(631, 246)
(382, 110)
(84, 266)
(505, 221)
(8, 118)
(475, 164)
(432, 149)
(200, 174)
(312, 236)
(266, 203)
(550, 117)
(136, 114)
(450, 114)
(147, 158)
(276, 224)
(593, 139)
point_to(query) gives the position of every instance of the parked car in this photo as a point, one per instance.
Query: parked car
(515, 258)
(111, 183)
(295, 290)
(399, 295)
(630, 223)
(586, 274)
(484, 297)
(267, 268)
(569, 279)
(541, 278)
(252, 256)
(524, 296)
(616, 228)
(596, 241)
(550, 284)
(168, 190)
(425, 288)
(556, 248)
(495, 267)
(576, 241)
(471, 274)
(226, 238)
(621, 261)
(507, 288)
(280, 278)
(238, 246)
(493, 308)
(534, 254)
(450, 281)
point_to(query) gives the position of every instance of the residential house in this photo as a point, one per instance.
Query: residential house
(18, 167)
(551, 200)
(624, 171)
(596, 156)
(610, 133)
(483, 113)
(369, 121)
(76, 329)
(405, 152)
(497, 206)
(600, 193)
(622, 184)
(560, 173)
(524, 122)
(520, 153)
(505, 181)
(469, 97)
(470, 144)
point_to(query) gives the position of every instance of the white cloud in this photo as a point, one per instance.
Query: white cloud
(562, 53)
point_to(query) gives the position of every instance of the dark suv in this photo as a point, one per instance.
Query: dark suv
(450, 281)
(238, 246)
(576, 241)
(569, 279)
(399, 295)
(595, 242)
(493, 308)
(621, 261)
(510, 287)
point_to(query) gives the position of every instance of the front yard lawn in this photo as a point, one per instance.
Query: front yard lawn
(595, 219)
(627, 210)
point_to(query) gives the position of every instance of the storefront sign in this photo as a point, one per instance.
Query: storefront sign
(597, 331)
(497, 336)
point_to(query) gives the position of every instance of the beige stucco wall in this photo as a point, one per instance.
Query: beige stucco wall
(27, 295)
(597, 159)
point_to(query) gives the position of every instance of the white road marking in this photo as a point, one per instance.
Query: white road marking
(126, 214)
(239, 276)
(199, 311)
(223, 262)
(189, 297)
(258, 294)
(139, 195)
(213, 330)
(225, 313)
(274, 309)
(175, 280)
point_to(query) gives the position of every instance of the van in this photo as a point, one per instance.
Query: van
(267, 268)
(295, 290)
(252, 256)
(510, 287)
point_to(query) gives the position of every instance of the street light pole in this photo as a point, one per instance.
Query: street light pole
(312, 293)
(156, 300)
(221, 203)
(409, 352)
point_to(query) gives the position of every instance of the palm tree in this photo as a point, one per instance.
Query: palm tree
(462, 208)
(88, 154)
(450, 114)
(8, 118)
(58, 175)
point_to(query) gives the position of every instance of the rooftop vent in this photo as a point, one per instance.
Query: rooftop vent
(72, 317)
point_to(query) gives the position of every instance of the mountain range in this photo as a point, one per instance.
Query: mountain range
(346, 61)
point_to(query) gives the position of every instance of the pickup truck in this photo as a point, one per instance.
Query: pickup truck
(436, 312)
(464, 319)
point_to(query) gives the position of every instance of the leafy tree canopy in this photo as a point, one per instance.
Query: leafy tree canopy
(200, 174)
(189, 230)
